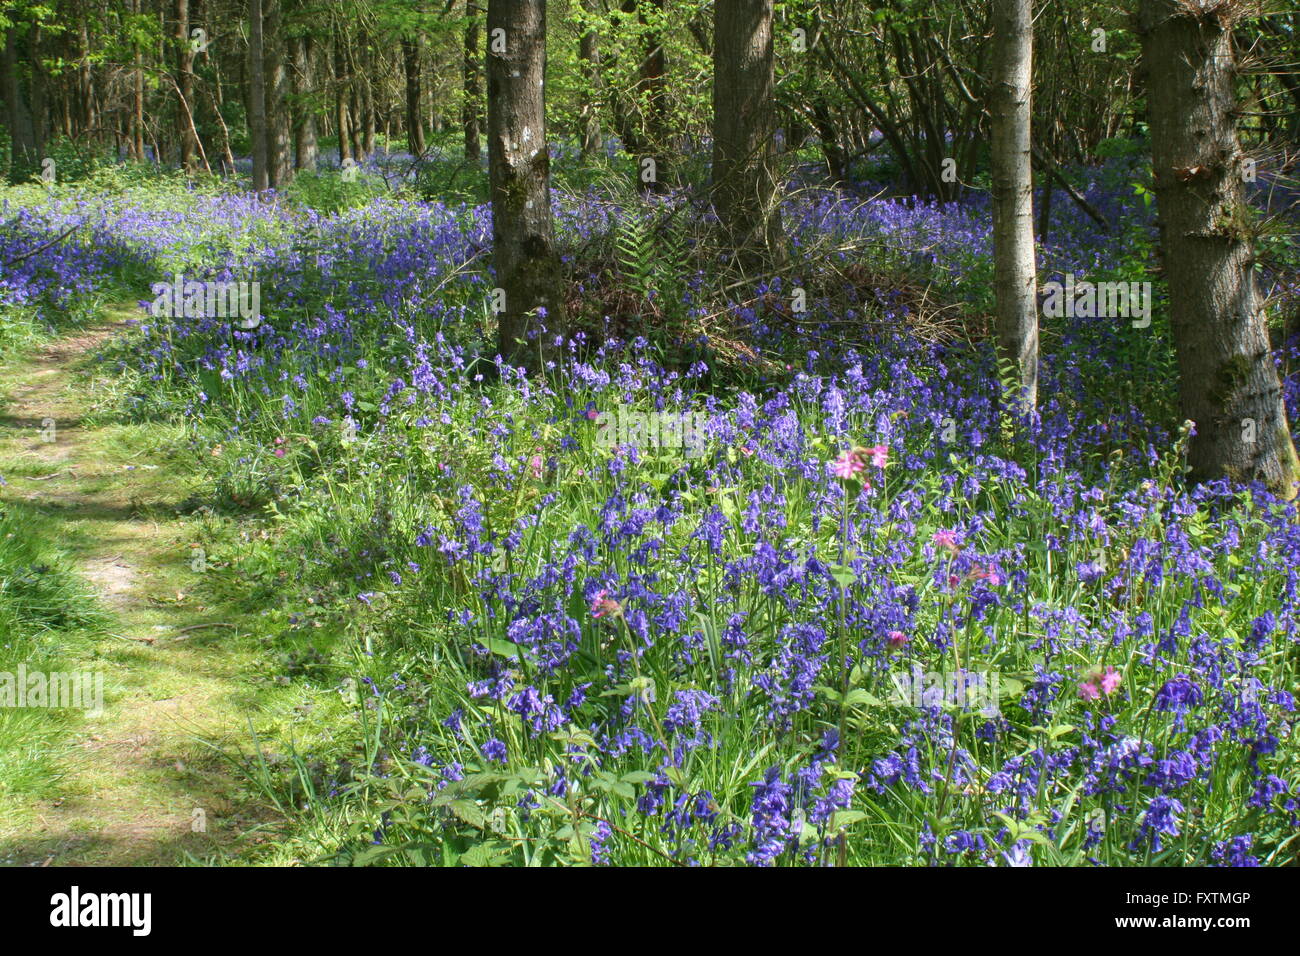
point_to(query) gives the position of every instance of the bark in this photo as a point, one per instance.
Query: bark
(470, 104)
(652, 90)
(24, 148)
(304, 103)
(279, 123)
(185, 127)
(1014, 273)
(1228, 381)
(589, 60)
(342, 120)
(523, 246)
(137, 97)
(414, 121)
(744, 181)
(257, 97)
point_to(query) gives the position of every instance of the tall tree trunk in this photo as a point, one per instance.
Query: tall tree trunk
(744, 180)
(589, 59)
(414, 121)
(1014, 273)
(342, 120)
(137, 97)
(651, 87)
(279, 123)
(24, 153)
(185, 126)
(304, 99)
(523, 247)
(257, 97)
(87, 86)
(1227, 380)
(469, 111)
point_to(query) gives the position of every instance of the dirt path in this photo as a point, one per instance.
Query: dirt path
(142, 783)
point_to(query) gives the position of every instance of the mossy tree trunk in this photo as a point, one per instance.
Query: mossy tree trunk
(469, 110)
(745, 193)
(523, 244)
(1014, 273)
(1228, 382)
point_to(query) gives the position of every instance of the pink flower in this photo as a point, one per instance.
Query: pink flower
(592, 414)
(879, 454)
(1099, 682)
(947, 540)
(897, 638)
(535, 466)
(1110, 681)
(602, 604)
(847, 466)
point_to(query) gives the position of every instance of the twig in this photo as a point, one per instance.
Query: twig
(195, 627)
(41, 248)
(133, 640)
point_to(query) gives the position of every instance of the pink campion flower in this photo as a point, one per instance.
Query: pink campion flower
(947, 540)
(592, 414)
(535, 466)
(1110, 681)
(847, 465)
(602, 604)
(879, 454)
(1099, 682)
(897, 638)
(986, 574)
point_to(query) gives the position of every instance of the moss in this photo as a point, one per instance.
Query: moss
(1232, 374)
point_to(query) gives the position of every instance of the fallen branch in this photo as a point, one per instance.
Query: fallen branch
(195, 627)
(43, 246)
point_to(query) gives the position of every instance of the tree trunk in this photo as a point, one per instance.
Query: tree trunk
(653, 91)
(744, 180)
(341, 103)
(257, 98)
(589, 59)
(523, 247)
(185, 88)
(469, 111)
(24, 152)
(1014, 273)
(1228, 382)
(137, 97)
(279, 124)
(304, 98)
(414, 121)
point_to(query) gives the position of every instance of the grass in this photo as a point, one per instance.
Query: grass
(97, 574)
(468, 632)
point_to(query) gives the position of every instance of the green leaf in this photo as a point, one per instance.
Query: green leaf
(469, 812)
(845, 818)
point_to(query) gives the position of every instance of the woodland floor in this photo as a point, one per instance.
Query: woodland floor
(145, 782)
